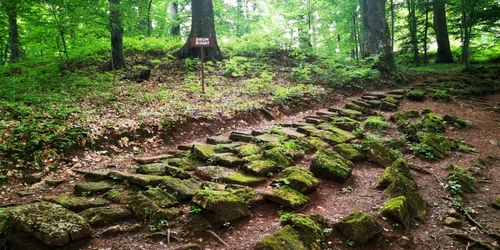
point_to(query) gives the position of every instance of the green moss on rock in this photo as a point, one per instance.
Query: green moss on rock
(396, 209)
(248, 150)
(75, 203)
(417, 95)
(161, 198)
(310, 231)
(247, 194)
(496, 202)
(378, 153)
(221, 206)
(399, 168)
(243, 179)
(101, 216)
(287, 197)
(285, 238)
(261, 167)
(432, 123)
(299, 179)
(119, 195)
(456, 122)
(228, 160)
(349, 152)
(280, 155)
(89, 188)
(203, 151)
(335, 135)
(403, 186)
(345, 123)
(331, 165)
(184, 163)
(458, 175)
(267, 138)
(359, 227)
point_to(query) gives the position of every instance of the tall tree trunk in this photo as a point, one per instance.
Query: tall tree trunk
(173, 9)
(426, 32)
(202, 25)
(150, 25)
(117, 56)
(466, 39)
(392, 25)
(15, 50)
(239, 18)
(441, 29)
(376, 38)
(412, 24)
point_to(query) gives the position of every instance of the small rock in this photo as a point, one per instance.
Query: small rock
(358, 227)
(287, 197)
(89, 188)
(114, 230)
(54, 182)
(496, 202)
(452, 222)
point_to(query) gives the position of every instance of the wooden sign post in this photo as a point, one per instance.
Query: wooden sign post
(202, 42)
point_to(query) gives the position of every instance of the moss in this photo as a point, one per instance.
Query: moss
(299, 179)
(285, 238)
(345, 123)
(399, 168)
(359, 227)
(417, 94)
(164, 217)
(280, 155)
(261, 167)
(317, 143)
(403, 186)
(248, 150)
(243, 179)
(267, 138)
(104, 215)
(89, 188)
(140, 179)
(154, 169)
(374, 103)
(390, 100)
(376, 122)
(119, 195)
(307, 129)
(437, 145)
(287, 197)
(397, 210)
(142, 207)
(247, 194)
(203, 151)
(349, 152)
(310, 232)
(378, 153)
(228, 160)
(495, 202)
(432, 123)
(75, 203)
(161, 198)
(331, 165)
(336, 135)
(220, 206)
(388, 106)
(185, 164)
(456, 122)
(442, 96)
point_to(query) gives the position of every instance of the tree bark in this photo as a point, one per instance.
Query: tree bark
(202, 25)
(392, 25)
(412, 24)
(376, 38)
(117, 55)
(426, 32)
(14, 45)
(441, 29)
(466, 39)
(173, 9)
(150, 25)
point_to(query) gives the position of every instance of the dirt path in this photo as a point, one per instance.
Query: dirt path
(332, 200)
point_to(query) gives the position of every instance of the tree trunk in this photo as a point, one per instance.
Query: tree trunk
(412, 24)
(392, 25)
(239, 18)
(466, 39)
(173, 9)
(202, 25)
(426, 32)
(15, 51)
(117, 56)
(149, 18)
(444, 51)
(376, 38)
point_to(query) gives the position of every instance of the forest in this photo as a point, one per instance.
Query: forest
(110, 121)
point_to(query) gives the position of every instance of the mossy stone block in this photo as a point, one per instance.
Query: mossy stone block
(247, 194)
(228, 160)
(89, 188)
(403, 186)
(243, 179)
(287, 197)
(261, 167)
(213, 173)
(345, 123)
(101, 216)
(378, 153)
(338, 135)
(119, 195)
(311, 233)
(184, 163)
(221, 206)
(394, 172)
(299, 179)
(331, 165)
(417, 95)
(203, 151)
(248, 149)
(267, 138)
(161, 198)
(285, 238)
(359, 227)
(280, 155)
(432, 123)
(496, 202)
(349, 152)
(75, 203)
(456, 121)
(396, 209)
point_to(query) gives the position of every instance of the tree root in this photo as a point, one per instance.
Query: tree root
(471, 242)
(420, 170)
(218, 238)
